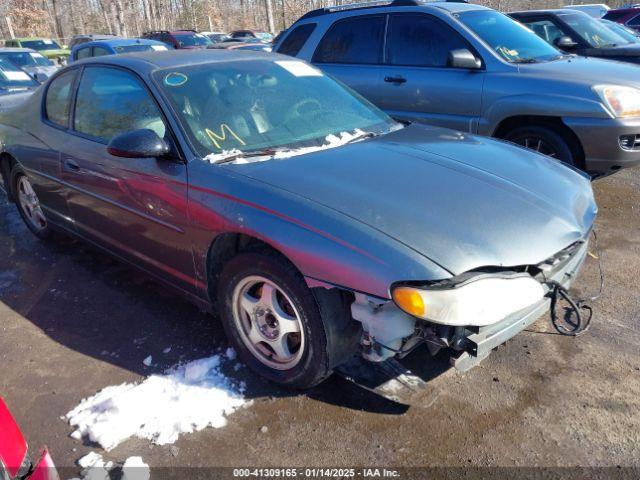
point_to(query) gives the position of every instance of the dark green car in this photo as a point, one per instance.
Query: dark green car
(46, 46)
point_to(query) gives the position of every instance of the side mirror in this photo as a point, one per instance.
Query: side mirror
(565, 43)
(40, 77)
(142, 143)
(463, 58)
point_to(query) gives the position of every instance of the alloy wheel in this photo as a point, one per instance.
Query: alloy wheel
(30, 205)
(268, 323)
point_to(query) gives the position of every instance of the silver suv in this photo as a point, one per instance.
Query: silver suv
(473, 69)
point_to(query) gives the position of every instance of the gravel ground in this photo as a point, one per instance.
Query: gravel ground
(73, 321)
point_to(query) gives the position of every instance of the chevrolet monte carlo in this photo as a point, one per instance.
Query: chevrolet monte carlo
(315, 225)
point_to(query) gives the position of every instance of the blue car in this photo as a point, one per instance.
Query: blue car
(113, 47)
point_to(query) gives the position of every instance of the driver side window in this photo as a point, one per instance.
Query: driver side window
(546, 29)
(421, 41)
(111, 101)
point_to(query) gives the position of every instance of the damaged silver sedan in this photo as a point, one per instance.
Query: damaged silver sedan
(315, 225)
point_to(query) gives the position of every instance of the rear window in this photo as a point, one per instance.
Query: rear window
(296, 39)
(615, 16)
(354, 40)
(635, 21)
(58, 97)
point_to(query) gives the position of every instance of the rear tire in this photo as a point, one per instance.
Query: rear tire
(28, 204)
(544, 140)
(261, 296)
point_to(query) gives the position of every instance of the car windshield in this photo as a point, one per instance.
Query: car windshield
(512, 40)
(592, 31)
(621, 30)
(253, 105)
(12, 77)
(192, 40)
(138, 48)
(264, 36)
(217, 37)
(26, 59)
(44, 44)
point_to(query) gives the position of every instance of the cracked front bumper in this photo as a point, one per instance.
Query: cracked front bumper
(481, 341)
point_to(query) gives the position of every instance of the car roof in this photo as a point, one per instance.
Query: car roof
(547, 11)
(21, 39)
(119, 42)
(16, 50)
(624, 10)
(451, 6)
(152, 60)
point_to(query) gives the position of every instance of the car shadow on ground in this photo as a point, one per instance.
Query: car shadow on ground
(93, 304)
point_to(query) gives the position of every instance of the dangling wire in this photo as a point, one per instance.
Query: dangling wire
(578, 307)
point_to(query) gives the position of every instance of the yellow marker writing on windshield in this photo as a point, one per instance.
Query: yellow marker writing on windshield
(224, 129)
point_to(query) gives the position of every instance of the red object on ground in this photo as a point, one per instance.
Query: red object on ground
(13, 452)
(44, 469)
(13, 446)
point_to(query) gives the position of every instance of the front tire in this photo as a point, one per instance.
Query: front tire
(29, 205)
(544, 140)
(273, 320)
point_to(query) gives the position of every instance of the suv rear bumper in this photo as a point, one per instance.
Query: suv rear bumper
(600, 139)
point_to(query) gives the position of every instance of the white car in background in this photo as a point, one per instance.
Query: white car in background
(596, 10)
(15, 85)
(34, 63)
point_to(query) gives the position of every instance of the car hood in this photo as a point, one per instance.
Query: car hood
(589, 71)
(462, 201)
(620, 51)
(55, 53)
(41, 69)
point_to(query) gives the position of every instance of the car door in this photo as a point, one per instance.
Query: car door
(351, 51)
(418, 84)
(53, 131)
(135, 207)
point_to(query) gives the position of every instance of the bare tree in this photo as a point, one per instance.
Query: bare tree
(65, 18)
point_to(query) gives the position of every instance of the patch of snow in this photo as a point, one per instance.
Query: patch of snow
(230, 353)
(166, 350)
(332, 141)
(185, 399)
(148, 361)
(91, 459)
(224, 154)
(135, 469)
(95, 468)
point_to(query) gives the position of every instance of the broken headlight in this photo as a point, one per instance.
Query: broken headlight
(478, 300)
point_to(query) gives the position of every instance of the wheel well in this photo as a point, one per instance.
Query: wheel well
(555, 123)
(224, 247)
(6, 165)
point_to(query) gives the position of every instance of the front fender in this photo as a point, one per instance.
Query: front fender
(548, 105)
(326, 246)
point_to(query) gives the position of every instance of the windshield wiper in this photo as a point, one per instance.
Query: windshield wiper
(526, 60)
(362, 136)
(253, 153)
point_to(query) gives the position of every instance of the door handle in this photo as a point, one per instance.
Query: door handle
(395, 79)
(71, 165)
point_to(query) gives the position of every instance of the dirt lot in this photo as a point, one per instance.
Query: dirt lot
(73, 321)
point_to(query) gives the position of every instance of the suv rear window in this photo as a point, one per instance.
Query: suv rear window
(353, 40)
(296, 39)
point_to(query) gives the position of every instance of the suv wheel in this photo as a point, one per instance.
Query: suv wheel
(274, 321)
(544, 140)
